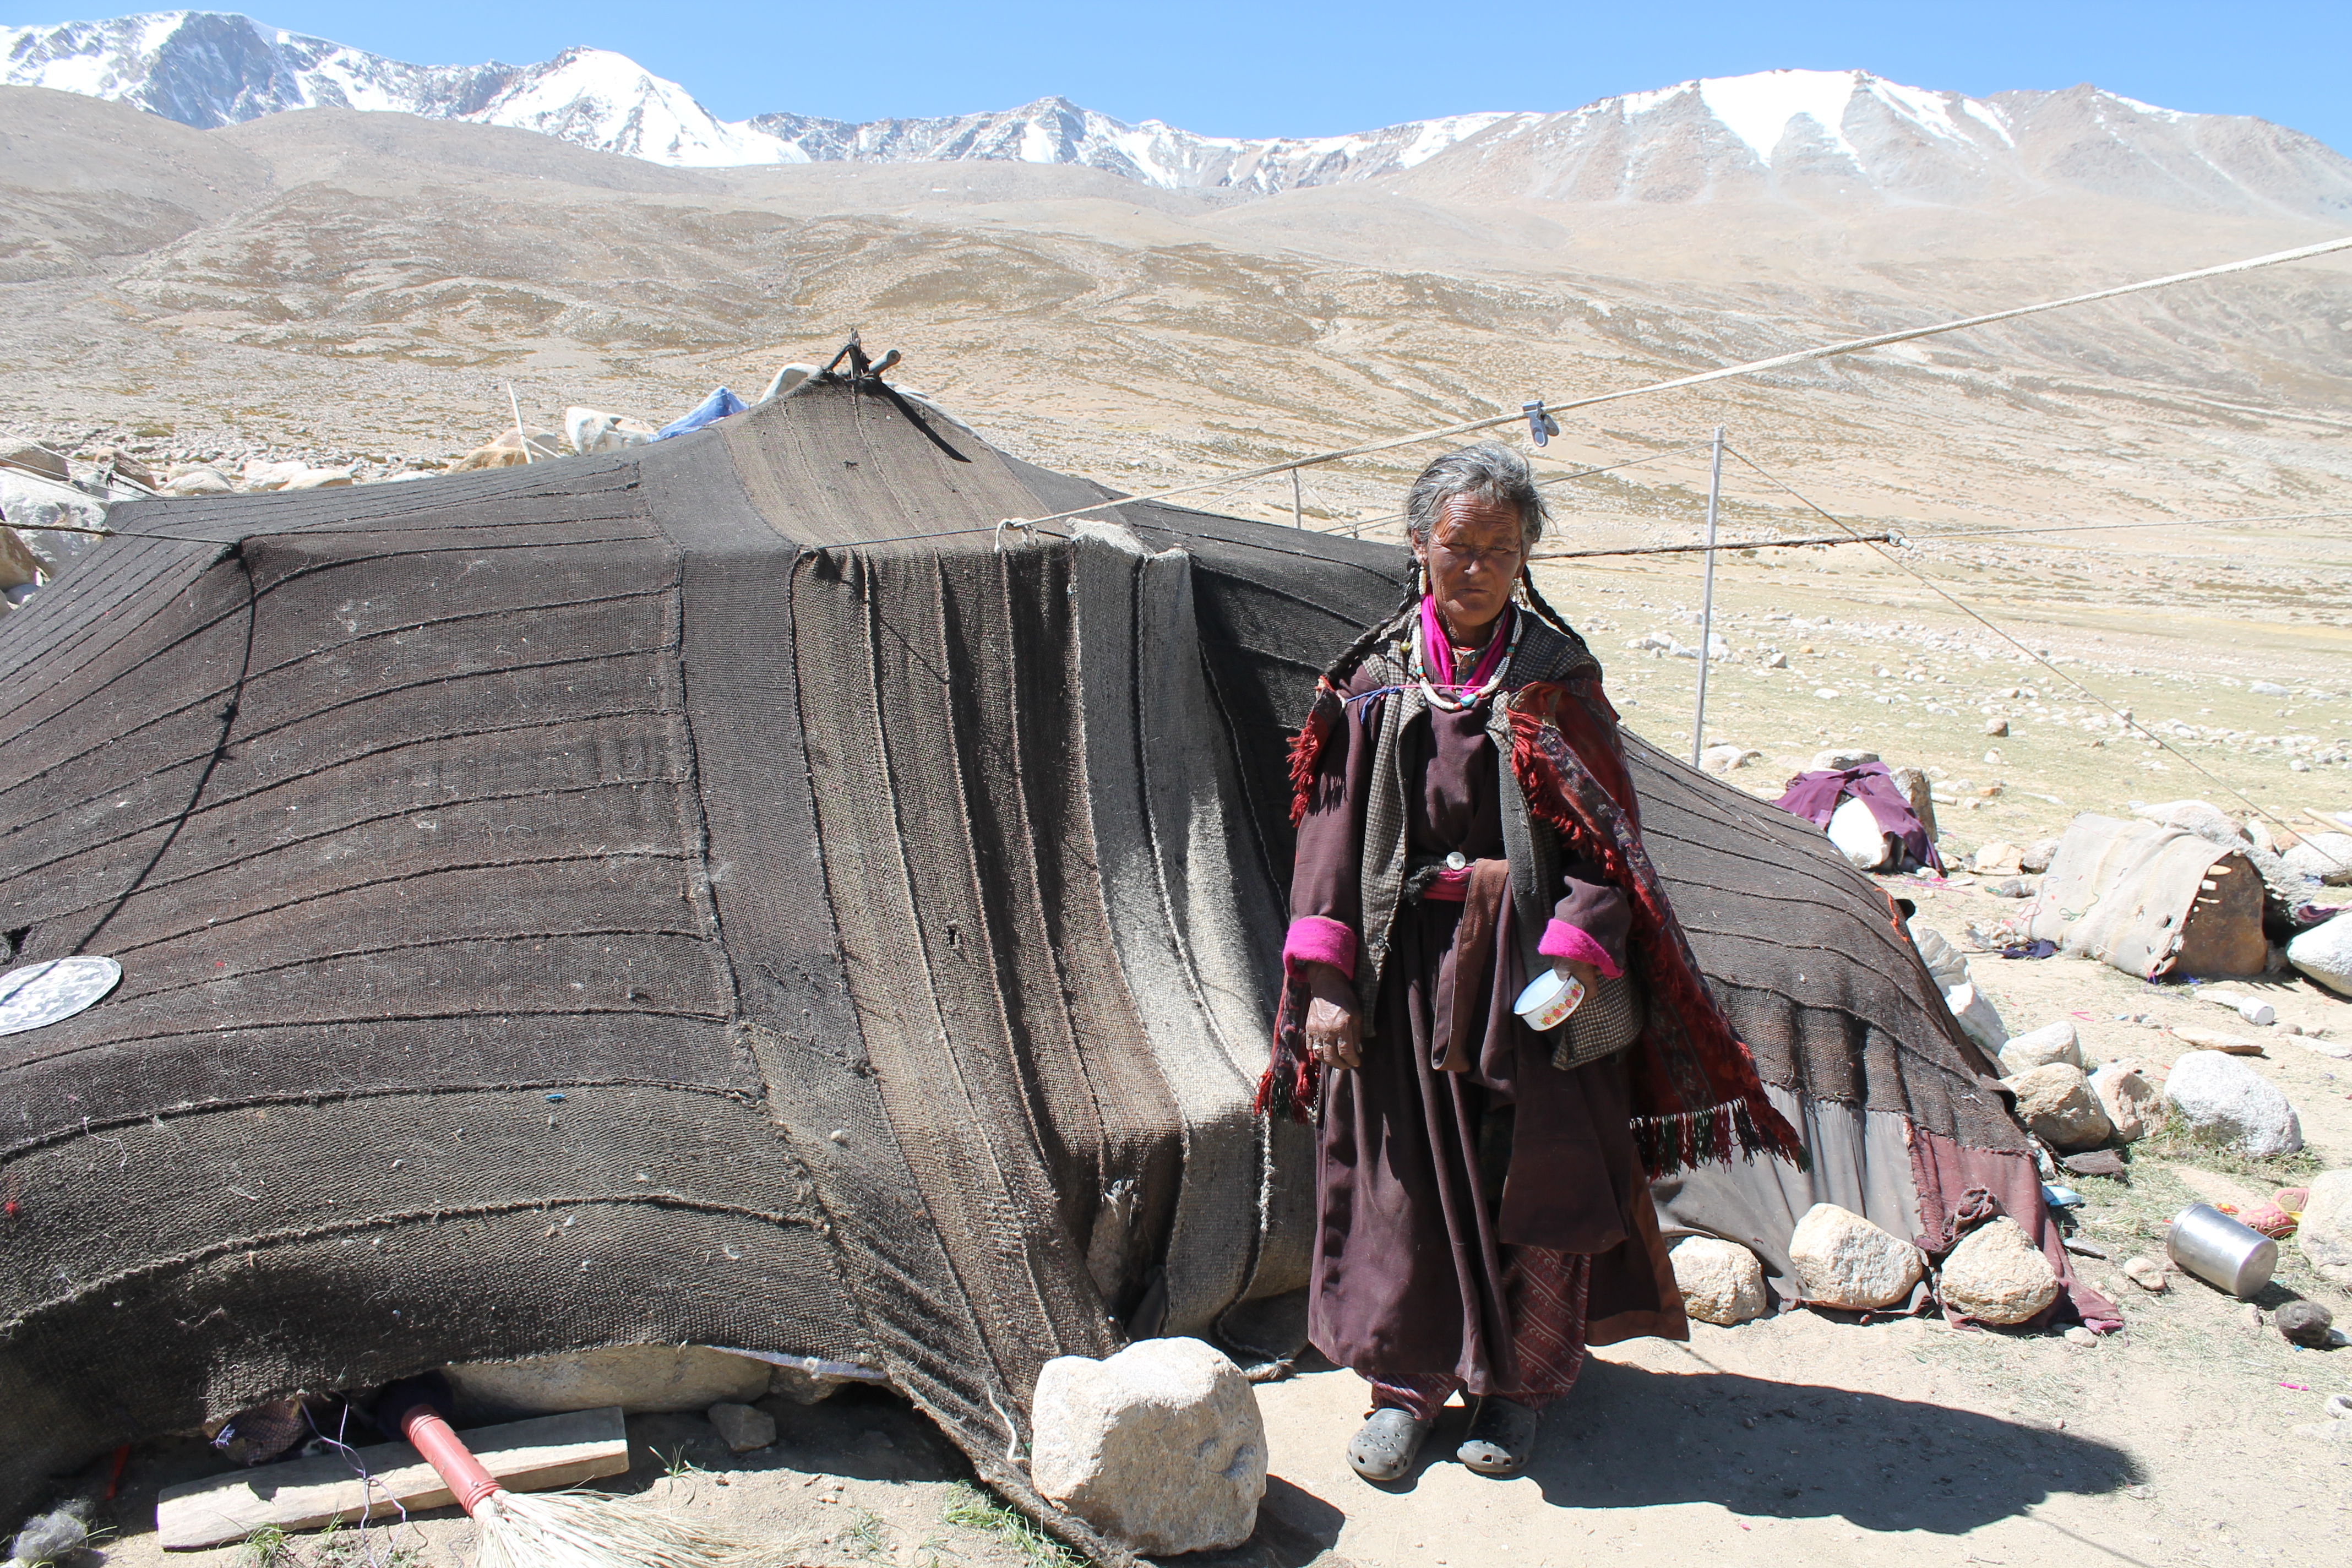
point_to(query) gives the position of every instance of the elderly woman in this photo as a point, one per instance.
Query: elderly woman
(1466, 824)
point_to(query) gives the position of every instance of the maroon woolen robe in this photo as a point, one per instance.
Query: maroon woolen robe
(1426, 1176)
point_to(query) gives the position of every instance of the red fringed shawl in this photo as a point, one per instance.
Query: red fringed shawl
(1696, 1096)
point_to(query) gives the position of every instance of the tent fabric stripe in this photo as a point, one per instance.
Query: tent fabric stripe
(797, 1023)
(1134, 613)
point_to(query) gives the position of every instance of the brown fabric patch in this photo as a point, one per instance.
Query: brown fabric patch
(1474, 954)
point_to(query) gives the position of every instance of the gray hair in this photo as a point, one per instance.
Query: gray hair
(1488, 470)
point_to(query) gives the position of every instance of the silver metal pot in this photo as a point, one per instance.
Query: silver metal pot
(2221, 1252)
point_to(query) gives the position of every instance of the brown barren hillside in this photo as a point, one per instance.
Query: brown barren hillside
(367, 286)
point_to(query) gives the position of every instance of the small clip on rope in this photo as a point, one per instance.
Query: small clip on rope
(1024, 524)
(1541, 427)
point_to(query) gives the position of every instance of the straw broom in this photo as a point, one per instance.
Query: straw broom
(560, 1530)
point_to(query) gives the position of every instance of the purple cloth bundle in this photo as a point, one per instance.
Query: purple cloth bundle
(1816, 797)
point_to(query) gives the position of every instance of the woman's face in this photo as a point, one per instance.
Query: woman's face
(1473, 555)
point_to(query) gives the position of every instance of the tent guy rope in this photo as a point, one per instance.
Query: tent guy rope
(1731, 544)
(2131, 724)
(1750, 367)
(1933, 537)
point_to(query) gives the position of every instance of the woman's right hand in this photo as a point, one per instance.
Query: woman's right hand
(1333, 1031)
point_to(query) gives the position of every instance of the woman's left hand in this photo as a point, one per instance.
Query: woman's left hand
(1332, 1027)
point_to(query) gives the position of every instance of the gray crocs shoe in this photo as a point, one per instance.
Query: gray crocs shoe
(1384, 1447)
(1502, 1437)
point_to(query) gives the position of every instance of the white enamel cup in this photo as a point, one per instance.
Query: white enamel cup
(1548, 999)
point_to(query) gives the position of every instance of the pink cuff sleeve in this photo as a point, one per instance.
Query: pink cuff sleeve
(1320, 939)
(1561, 939)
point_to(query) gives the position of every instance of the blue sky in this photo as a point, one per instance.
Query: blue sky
(1270, 69)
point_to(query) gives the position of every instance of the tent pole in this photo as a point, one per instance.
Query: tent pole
(1706, 604)
(1297, 512)
(525, 439)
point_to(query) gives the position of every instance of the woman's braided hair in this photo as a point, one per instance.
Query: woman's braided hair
(1491, 471)
(1542, 607)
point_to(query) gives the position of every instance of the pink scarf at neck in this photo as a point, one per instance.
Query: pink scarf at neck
(1437, 648)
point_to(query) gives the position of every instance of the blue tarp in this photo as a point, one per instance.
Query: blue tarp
(716, 406)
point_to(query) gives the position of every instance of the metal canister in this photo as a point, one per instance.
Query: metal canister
(2221, 1252)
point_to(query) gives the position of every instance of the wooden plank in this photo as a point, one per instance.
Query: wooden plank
(2207, 1040)
(538, 1454)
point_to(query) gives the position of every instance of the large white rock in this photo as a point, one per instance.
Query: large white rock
(594, 430)
(1998, 860)
(38, 508)
(1159, 1447)
(2324, 954)
(199, 482)
(2201, 817)
(1978, 1018)
(2058, 1105)
(1844, 1260)
(2325, 1231)
(2326, 856)
(259, 475)
(1996, 1275)
(1721, 1281)
(318, 479)
(33, 458)
(2131, 1102)
(2224, 1100)
(2039, 1048)
(1948, 963)
(638, 1378)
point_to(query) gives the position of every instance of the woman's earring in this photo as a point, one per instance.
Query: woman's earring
(1424, 585)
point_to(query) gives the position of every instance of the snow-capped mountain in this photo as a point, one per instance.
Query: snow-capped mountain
(209, 68)
(1845, 131)
(1055, 131)
(206, 68)
(1853, 133)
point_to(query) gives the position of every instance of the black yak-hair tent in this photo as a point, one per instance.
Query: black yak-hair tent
(729, 892)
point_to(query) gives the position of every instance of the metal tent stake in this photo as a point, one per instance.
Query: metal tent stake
(1706, 602)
